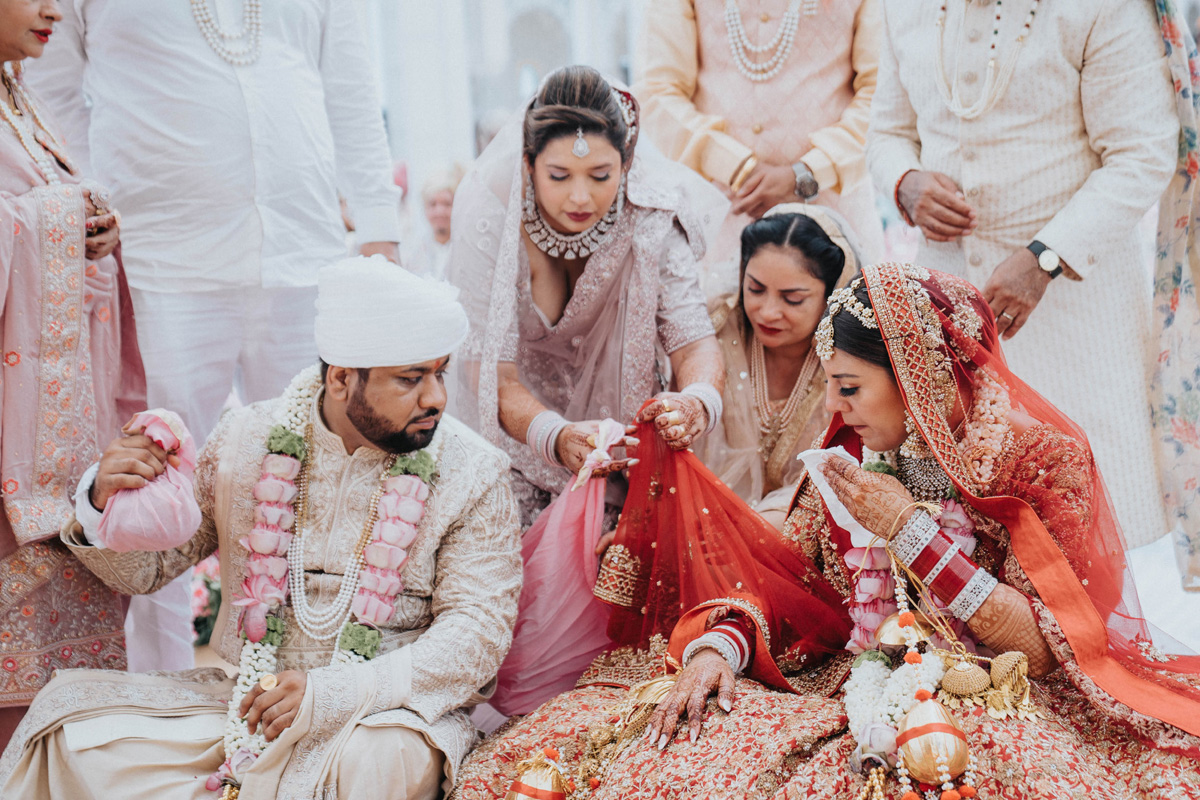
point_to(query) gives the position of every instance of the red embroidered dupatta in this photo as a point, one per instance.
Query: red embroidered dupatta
(686, 544)
(940, 334)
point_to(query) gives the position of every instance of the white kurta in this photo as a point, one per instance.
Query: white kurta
(1074, 154)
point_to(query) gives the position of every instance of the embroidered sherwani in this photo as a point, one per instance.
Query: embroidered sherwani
(1074, 154)
(379, 729)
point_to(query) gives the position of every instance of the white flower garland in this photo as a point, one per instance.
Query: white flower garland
(269, 544)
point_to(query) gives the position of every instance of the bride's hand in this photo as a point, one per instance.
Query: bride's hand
(707, 672)
(879, 502)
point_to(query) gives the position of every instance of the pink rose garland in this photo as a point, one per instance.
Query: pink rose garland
(872, 599)
(265, 586)
(400, 511)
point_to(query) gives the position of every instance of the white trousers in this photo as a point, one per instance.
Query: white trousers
(198, 347)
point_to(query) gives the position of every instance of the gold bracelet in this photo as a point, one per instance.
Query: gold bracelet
(740, 176)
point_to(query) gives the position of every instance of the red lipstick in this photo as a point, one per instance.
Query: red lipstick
(580, 216)
(43, 35)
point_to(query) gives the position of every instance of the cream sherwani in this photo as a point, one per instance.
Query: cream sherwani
(702, 112)
(392, 727)
(1075, 153)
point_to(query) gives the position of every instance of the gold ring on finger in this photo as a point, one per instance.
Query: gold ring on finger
(674, 418)
(666, 407)
(268, 682)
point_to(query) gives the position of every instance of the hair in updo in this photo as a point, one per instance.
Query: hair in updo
(823, 259)
(572, 99)
(852, 338)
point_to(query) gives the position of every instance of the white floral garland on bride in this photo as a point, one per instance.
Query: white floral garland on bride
(274, 569)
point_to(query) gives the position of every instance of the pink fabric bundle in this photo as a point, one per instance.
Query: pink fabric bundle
(163, 514)
(560, 623)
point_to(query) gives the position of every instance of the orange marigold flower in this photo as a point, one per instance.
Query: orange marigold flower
(923, 695)
(551, 753)
(907, 619)
(912, 657)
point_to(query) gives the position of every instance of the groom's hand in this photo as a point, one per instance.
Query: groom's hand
(276, 709)
(130, 462)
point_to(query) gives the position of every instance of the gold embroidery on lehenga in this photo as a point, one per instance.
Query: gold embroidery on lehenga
(619, 581)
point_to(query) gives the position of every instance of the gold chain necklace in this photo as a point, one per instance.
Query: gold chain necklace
(770, 425)
(325, 624)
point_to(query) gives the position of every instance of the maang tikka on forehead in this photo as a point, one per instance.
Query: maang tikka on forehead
(580, 148)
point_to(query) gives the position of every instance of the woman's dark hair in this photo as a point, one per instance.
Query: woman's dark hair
(852, 338)
(571, 99)
(822, 259)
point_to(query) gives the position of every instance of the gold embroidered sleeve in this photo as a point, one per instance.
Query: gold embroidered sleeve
(1053, 473)
(145, 572)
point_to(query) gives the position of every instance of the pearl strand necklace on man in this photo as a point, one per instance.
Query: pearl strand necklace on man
(248, 39)
(770, 426)
(327, 623)
(995, 83)
(781, 44)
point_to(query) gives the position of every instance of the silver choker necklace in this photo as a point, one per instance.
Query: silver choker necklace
(568, 246)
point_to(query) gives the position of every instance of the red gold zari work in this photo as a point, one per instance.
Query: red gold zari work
(1115, 720)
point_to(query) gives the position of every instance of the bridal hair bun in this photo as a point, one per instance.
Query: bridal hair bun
(578, 99)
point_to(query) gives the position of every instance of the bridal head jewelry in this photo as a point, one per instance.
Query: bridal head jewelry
(842, 299)
(580, 148)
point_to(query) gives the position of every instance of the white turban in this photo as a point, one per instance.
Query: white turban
(373, 313)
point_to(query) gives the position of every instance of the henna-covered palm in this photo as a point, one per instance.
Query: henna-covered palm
(707, 672)
(879, 502)
(578, 440)
(678, 418)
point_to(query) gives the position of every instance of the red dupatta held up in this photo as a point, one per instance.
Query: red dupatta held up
(941, 338)
(686, 543)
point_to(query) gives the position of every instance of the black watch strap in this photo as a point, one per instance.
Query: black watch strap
(1037, 248)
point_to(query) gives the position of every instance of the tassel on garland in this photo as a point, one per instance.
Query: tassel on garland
(538, 778)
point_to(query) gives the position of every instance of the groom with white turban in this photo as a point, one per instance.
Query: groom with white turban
(371, 562)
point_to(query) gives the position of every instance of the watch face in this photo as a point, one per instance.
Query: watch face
(1048, 260)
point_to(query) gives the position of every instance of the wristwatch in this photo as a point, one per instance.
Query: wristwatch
(806, 182)
(1047, 259)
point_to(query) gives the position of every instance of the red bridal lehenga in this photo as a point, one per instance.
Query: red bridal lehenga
(1118, 718)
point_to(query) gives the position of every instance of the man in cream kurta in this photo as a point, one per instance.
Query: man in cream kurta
(700, 110)
(1073, 153)
(394, 726)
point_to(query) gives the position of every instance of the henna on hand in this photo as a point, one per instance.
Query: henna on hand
(707, 672)
(1006, 622)
(879, 502)
(679, 418)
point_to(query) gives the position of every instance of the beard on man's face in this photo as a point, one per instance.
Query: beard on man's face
(381, 432)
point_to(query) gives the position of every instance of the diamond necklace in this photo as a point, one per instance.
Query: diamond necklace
(568, 246)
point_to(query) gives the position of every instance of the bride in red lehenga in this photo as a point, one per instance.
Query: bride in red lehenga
(980, 500)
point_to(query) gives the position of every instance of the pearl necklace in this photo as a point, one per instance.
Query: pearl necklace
(248, 40)
(995, 83)
(568, 246)
(26, 127)
(771, 426)
(327, 623)
(780, 45)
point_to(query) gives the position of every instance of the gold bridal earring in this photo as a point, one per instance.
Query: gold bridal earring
(914, 446)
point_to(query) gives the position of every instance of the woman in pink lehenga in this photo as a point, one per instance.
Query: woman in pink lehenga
(71, 375)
